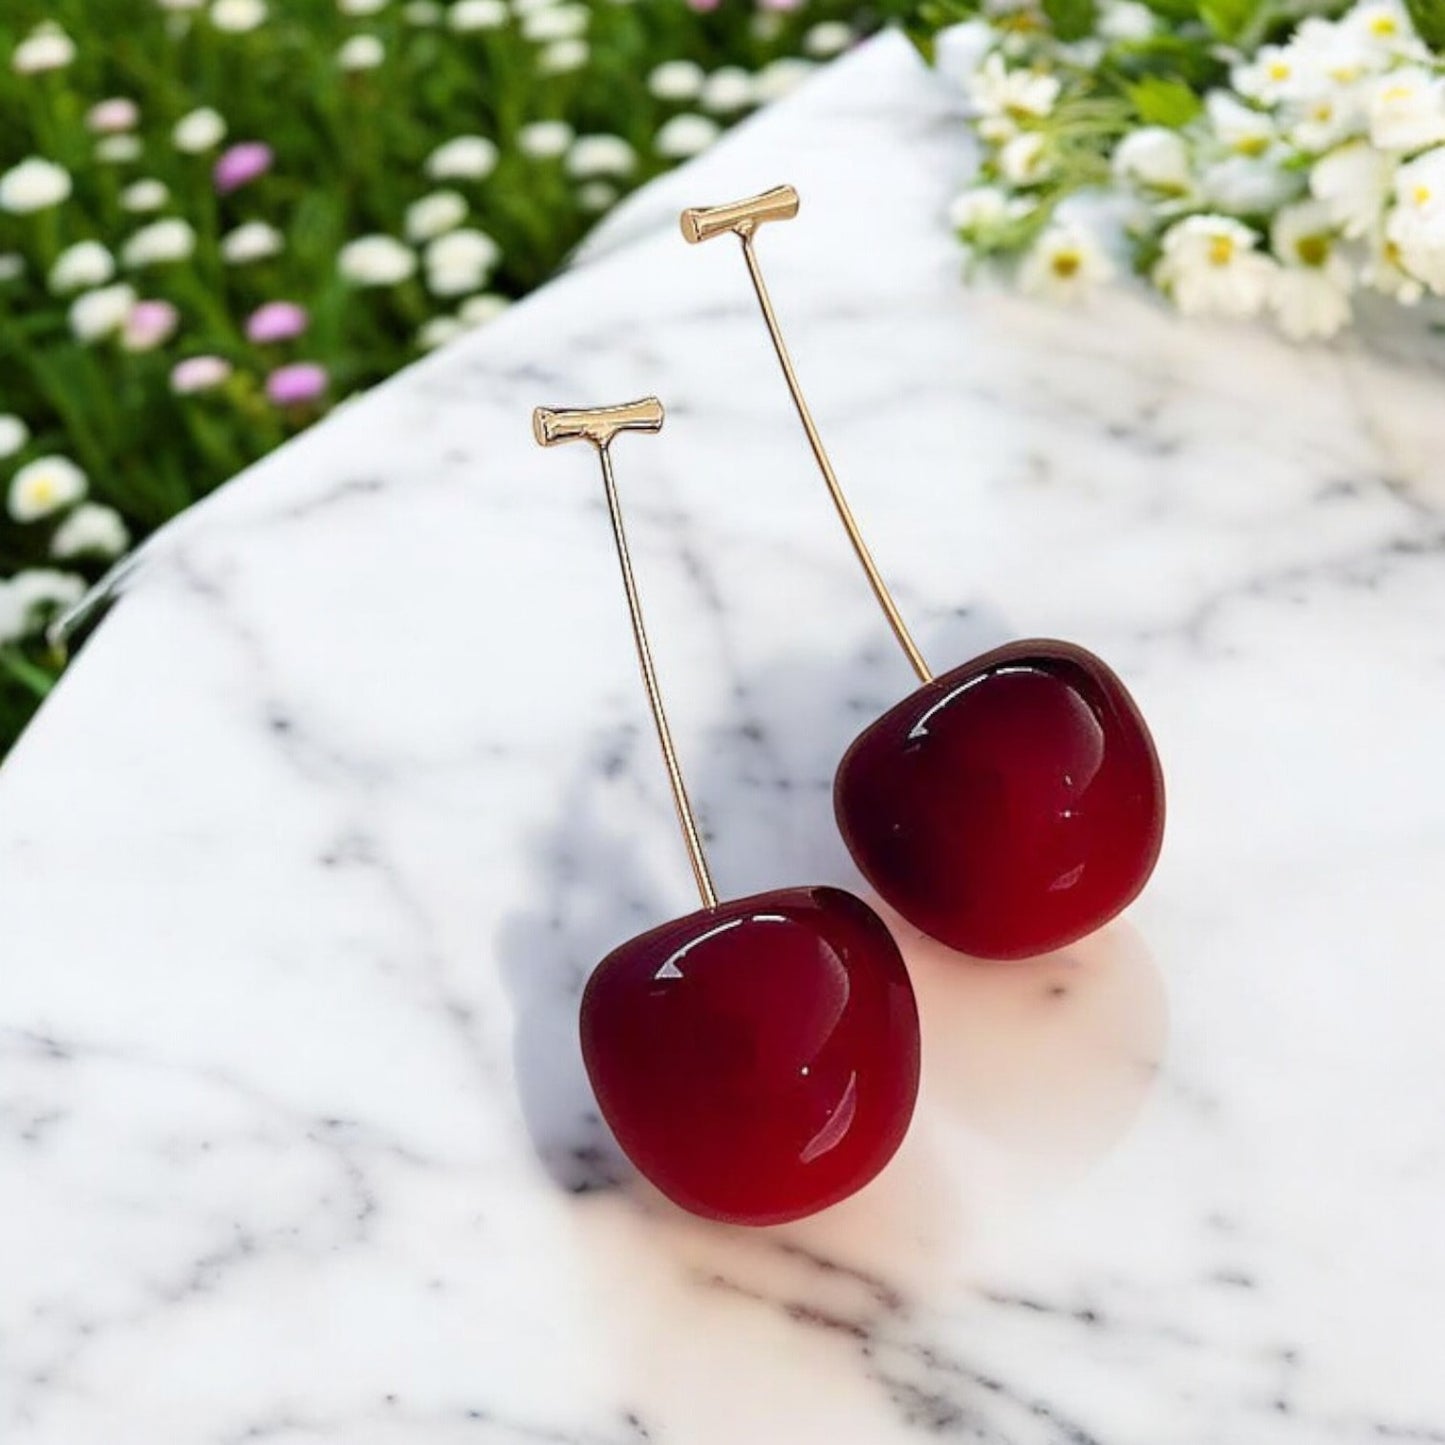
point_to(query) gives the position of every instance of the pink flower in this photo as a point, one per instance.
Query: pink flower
(199, 373)
(277, 321)
(242, 164)
(300, 382)
(149, 325)
(111, 117)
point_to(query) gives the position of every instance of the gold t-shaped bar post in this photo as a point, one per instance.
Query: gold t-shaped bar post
(742, 219)
(600, 425)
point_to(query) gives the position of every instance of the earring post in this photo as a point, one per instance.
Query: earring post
(743, 218)
(600, 426)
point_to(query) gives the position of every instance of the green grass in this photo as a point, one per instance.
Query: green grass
(350, 152)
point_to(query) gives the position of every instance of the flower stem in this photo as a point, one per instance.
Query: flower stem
(34, 679)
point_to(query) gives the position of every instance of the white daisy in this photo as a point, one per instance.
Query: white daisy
(33, 185)
(118, 150)
(439, 331)
(435, 214)
(47, 47)
(1246, 185)
(251, 241)
(686, 135)
(1416, 225)
(1002, 98)
(1210, 266)
(729, 88)
(676, 80)
(827, 38)
(1024, 160)
(376, 261)
(1406, 109)
(43, 487)
(94, 315)
(91, 530)
(1126, 20)
(781, 77)
(600, 155)
(1384, 273)
(1311, 294)
(460, 262)
(145, 195)
(1156, 159)
(31, 595)
(596, 195)
(159, 243)
(557, 22)
(360, 52)
(469, 16)
(1353, 182)
(464, 158)
(1239, 127)
(1327, 118)
(545, 139)
(480, 309)
(1385, 27)
(14, 435)
(81, 266)
(1066, 263)
(238, 16)
(562, 57)
(199, 130)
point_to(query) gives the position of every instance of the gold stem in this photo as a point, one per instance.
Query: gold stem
(685, 814)
(845, 513)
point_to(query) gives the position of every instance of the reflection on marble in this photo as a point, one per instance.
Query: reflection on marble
(303, 866)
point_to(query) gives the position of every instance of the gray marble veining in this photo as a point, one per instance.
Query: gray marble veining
(302, 869)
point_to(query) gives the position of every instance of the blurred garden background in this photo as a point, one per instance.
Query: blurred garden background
(220, 218)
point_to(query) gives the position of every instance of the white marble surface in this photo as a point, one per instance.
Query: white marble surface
(303, 866)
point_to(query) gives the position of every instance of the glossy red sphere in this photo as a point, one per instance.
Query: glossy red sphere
(1009, 807)
(757, 1061)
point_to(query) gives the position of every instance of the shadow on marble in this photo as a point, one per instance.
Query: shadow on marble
(1049, 1060)
(1031, 1071)
(598, 894)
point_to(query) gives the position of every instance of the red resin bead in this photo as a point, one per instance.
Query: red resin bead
(757, 1061)
(1009, 807)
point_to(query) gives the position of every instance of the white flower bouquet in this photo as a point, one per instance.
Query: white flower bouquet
(1258, 158)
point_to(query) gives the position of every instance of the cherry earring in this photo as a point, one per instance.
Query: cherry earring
(1010, 806)
(757, 1060)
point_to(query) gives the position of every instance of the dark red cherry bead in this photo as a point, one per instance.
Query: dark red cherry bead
(1010, 806)
(757, 1061)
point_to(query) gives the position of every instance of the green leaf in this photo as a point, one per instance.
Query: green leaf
(1229, 18)
(1172, 57)
(1072, 19)
(1164, 102)
(1174, 10)
(923, 39)
(1429, 19)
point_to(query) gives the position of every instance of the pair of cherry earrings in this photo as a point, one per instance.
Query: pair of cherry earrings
(758, 1060)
